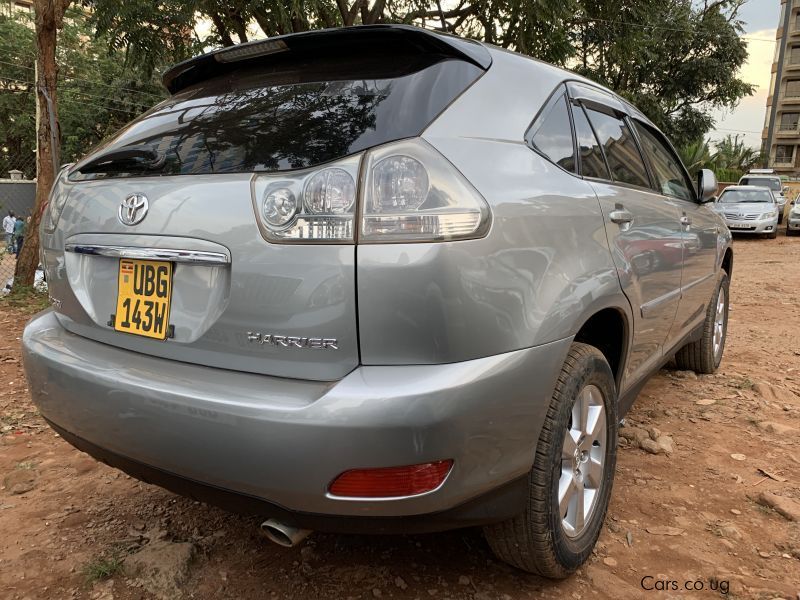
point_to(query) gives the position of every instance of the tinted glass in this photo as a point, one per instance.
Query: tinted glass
(670, 176)
(789, 120)
(783, 153)
(767, 182)
(592, 162)
(735, 196)
(622, 154)
(552, 136)
(293, 117)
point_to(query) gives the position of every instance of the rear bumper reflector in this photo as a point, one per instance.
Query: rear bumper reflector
(391, 482)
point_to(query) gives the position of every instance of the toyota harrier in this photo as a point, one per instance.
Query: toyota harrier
(377, 279)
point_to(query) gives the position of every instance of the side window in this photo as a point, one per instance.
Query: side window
(552, 134)
(622, 153)
(591, 155)
(670, 175)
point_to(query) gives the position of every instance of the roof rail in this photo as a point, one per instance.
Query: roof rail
(323, 41)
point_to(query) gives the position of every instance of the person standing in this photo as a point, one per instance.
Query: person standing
(19, 234)
(8, 229)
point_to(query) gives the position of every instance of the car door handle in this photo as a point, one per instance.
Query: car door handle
(686, 220)
(620, 215)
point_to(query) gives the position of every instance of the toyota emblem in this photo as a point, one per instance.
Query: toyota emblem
(133, 209)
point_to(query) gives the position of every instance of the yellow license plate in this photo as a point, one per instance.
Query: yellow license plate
(143, 296)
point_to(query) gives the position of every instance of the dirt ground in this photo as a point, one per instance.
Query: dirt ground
(72, 528)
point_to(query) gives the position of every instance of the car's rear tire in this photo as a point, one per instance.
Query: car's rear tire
(704, 355)
(574, 463)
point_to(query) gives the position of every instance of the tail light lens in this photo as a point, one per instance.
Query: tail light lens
(56, 200)
(413, 194)
(391, 482)
(316, 205)
(405, 192)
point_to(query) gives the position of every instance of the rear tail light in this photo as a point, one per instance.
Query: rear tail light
(402, 192)
(316, 205)
(56, 200)
(391, 482)
(413, 194)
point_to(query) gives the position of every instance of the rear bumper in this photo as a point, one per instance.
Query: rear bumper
(275, 444)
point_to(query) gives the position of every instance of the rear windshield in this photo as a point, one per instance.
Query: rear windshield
(772, 183)
(735, 196)
(294, 116)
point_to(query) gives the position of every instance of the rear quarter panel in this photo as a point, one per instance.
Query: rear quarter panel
(542, 270)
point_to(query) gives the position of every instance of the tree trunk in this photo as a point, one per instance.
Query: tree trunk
(49, 17)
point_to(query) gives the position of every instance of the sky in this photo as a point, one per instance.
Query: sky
(760, 19)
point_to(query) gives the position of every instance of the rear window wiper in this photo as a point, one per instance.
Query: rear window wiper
(125, 160)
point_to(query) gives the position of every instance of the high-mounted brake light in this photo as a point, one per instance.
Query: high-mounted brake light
(391, 482)
(251, 50)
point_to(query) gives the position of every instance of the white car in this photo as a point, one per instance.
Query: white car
(793, 222)
(767, 180)
(749, 209)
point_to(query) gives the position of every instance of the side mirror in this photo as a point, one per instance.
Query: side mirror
(706, 186)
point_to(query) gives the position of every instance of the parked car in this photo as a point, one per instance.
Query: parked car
(749, 209)
(377, 279)
(793, 222)
(767, 178)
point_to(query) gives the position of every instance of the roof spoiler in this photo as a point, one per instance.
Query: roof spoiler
(321, 42)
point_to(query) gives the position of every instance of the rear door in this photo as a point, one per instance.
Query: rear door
(230, 207)
(700, 228)
(642, 227)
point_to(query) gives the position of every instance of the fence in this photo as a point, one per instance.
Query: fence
(17, 197)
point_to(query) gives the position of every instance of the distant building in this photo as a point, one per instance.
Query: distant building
(6, 7)
(781, 135)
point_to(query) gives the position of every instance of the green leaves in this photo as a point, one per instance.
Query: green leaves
(730, 161)
(677, 60)
(97, 92)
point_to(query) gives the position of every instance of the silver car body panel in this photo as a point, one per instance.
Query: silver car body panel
(286, 440)
(303, 290)
(446, 350)
(793, 220)
(521, 285)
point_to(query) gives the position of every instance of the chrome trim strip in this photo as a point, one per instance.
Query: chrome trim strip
(195, 257)
(698, 281)
(648, 308)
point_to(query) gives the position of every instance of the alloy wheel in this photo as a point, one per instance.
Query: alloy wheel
(582, 461)
(719, 324)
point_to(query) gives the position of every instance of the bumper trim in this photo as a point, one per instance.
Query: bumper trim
(499, 504)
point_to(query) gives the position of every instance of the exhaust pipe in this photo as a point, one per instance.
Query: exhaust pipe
(282, 534)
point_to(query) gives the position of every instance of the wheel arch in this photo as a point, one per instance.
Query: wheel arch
(609, 330)
(727, 262)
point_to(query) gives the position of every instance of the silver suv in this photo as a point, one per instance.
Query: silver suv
(377, 279)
